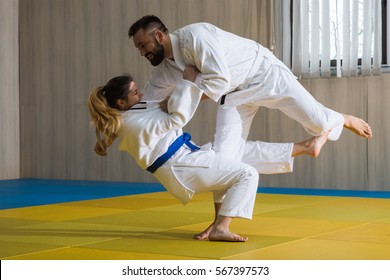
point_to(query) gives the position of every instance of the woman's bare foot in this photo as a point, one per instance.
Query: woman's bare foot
(311, 147)
(358, 126)
(204, 235)
(315, 144)
(226, 235)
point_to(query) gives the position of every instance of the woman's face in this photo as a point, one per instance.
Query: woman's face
(133, 97)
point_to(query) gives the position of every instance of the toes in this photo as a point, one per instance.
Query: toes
(242, 239)
(227, 236)
(200, 236)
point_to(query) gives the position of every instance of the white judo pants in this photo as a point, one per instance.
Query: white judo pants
(274, 87)
(234, 184)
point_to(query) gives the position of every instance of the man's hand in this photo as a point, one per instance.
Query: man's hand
(189, 73)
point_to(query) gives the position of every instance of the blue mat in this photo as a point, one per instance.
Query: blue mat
(33, 192)
(325, 192)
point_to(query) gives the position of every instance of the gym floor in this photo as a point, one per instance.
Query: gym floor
(73, 220)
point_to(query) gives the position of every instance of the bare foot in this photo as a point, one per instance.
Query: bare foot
(315, 144)
(358, 126)
(311, 147)
(216, 235)
(204, 235)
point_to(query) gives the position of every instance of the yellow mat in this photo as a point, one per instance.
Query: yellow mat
(156, 226)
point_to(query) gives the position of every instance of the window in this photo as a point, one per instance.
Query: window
(336, 19)
(342, 36)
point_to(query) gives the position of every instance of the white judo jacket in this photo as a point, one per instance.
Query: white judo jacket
(226, 61)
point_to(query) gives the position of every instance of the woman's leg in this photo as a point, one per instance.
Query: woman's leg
(204, 235)
(236, 181)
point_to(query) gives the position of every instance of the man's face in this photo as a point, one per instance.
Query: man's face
(149, 47)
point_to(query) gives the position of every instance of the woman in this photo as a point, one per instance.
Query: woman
(146, 134)
(156, 141)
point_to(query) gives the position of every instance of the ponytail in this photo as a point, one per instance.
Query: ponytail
(105, 119)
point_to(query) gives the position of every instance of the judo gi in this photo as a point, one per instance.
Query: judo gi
(147, 133)
(267, 158)
(242, 75)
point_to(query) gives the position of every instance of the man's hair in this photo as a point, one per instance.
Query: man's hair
(147, 23)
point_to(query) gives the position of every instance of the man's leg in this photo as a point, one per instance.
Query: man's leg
(298, 104)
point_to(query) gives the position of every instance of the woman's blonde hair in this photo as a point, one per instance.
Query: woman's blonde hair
(105, 116)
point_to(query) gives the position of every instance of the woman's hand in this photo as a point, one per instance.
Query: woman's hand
(164, 105)
(190, 73)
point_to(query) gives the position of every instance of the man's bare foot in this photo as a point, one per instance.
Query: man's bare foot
(358, 126)
(216, 235)
(204, 235)
(311, 147)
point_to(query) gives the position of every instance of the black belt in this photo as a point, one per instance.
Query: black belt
(223, 99)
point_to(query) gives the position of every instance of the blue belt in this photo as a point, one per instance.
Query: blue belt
(173, 148)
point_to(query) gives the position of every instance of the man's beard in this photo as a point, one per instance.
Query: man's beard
(158, 54)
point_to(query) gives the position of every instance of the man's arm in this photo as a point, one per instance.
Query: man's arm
(202, 48)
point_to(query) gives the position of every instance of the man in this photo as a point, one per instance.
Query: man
(238, 72)
(242, 75)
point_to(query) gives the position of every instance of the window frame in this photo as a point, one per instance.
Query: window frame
(385, 37)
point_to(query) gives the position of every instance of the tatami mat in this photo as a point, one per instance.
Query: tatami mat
(156, 226)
